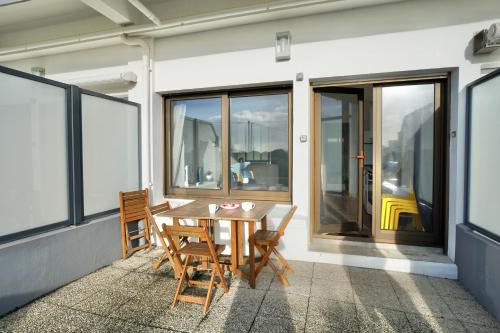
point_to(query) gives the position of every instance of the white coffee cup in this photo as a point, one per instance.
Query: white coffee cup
(212, 208)
(247, 206)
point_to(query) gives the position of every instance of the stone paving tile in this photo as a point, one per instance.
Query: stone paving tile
(424, 304)
(155, 252)
(165, 270)
(113, 325)
(229, 319)
(132, 263)
(46, 317)
(368, 278)
(280, 304)
(142, 309)
(301, 268)
(134, 283)
(242, 298)
(376, 296)
(183, 317)
(335, 290)
(262, 282)
(324, 314)
(411, 283)
(331, 272)
(429, 324)
(34, 317)
(298, 284)
(474, 328)
(471, 312)
(102, 302)
(374, 319)
(266, 324)
(450, 288)
(103, 277)
(71, 294)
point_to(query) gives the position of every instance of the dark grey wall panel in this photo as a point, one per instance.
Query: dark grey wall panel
(478, 261)
(37, 265)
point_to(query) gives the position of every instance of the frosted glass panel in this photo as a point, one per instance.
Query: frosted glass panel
(110, 139)
(484, 159)
(33, 150)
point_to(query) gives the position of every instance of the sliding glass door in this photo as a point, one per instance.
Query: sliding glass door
(408, 162)
(339, 161)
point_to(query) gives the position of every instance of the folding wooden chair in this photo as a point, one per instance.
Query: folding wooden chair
(205, 249)
(266, 242)
(169, 254)
(132, 206)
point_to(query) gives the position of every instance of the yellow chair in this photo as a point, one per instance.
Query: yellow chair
(393, 206)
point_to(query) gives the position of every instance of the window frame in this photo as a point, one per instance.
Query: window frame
(225, 191)
(468, 138)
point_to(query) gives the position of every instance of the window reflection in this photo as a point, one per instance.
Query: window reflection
(195, 139)
(407, 157)
(259, 142)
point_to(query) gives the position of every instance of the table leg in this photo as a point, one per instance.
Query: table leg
(251, 252)
(234, 246)
(241, 243)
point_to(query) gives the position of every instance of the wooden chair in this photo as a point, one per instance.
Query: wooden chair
(205, 249)
(266, 242)
(132, 206)
(169, 254)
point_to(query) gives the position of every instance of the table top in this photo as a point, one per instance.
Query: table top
(198, 209)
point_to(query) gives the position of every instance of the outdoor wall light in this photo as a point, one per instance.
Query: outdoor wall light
(283, 41)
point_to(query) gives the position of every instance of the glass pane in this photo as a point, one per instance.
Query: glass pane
(259, 142)
(110, 144)
(339, 172)
(484, 178)
(407, 157)
(196, 131)
(33, 150)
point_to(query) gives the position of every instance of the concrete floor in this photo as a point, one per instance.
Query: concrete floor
(128, 297)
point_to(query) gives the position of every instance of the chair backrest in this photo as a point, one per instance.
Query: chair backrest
(152, 210)
(286, 220)
(178, 232)
(132, 205)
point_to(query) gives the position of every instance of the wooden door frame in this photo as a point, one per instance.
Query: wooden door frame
(409, 237)
(444, 79)
(316, 149)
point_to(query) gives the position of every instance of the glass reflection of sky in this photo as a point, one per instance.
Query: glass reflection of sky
(205, 109)
(266, 116)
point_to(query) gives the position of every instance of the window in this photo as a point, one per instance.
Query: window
(33, 146)
(230, 144)
(483, 103)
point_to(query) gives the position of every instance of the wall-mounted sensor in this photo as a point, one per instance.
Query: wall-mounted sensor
(303, 138)
(299, 76)
(282, 48)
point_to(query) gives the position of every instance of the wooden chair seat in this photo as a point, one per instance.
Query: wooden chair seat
(200, 249)
(265, 237)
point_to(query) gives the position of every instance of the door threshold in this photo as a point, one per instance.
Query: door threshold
(429, 261)
(367, 247)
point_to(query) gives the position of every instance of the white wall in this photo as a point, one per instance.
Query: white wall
(414, 35)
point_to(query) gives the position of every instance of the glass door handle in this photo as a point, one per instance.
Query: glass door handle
(359, 157)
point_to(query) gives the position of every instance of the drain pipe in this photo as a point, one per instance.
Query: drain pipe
(147, 64)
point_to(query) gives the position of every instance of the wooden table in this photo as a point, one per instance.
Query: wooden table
(198, 210)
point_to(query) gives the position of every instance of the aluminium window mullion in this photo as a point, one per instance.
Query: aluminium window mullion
(75, 168)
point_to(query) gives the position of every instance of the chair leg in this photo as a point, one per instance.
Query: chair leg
(124, 242)
(208, 300)
(265, 257)
(181, 281)
(282, 260)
